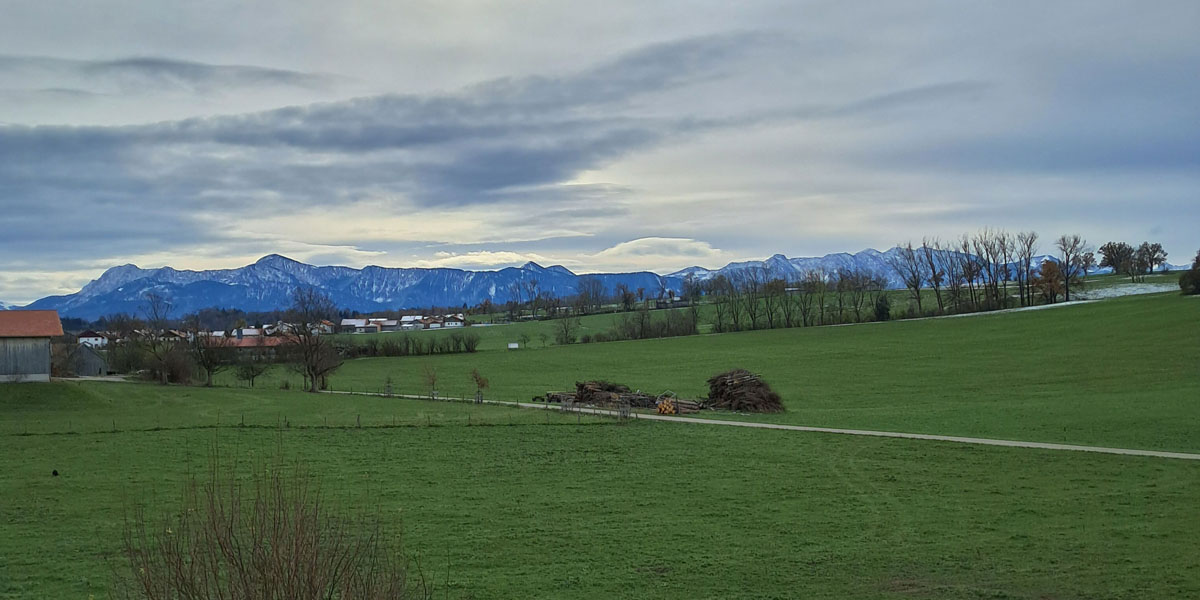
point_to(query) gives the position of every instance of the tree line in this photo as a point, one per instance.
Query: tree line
(146, 347)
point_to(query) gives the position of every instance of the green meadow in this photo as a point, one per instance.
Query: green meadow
(500, 502)
(1120, 372)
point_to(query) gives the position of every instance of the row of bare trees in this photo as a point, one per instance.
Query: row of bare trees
(527, 296)
(980, 271)
(753, 299)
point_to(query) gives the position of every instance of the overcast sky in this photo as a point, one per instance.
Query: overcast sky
(597, 135)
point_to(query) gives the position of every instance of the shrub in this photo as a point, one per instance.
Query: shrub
(883, 308)
(271, 537)
(1189, 280)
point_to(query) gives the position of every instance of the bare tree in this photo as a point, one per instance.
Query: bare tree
(158, 343)
(211, 353)
(1071, 249)
(820, 293)
(250, 366)
(954, 278)
(692, 289)
(591, 291)
(908, 266)
(1007, 246)
(429, 375)
(1087, 262)
(516, 293)
(807, 296)
(313, 354)
(1026, 249)
(934, 269)
(751, 289)
(626, 296)
(533, 293)
(566, 330)
(970, 269)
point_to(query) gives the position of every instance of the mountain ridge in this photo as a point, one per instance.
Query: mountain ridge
(269, 283)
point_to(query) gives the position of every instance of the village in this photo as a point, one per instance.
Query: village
(35, 346)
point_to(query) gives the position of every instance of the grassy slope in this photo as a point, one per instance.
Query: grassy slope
(1122, 372)
(656, 511)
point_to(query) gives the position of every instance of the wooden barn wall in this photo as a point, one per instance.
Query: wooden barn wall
(24, 357)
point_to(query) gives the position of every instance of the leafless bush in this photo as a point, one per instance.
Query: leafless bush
(273, 537)
(430, 375)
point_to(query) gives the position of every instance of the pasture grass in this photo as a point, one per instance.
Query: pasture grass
(1121, 372)
(648, 510)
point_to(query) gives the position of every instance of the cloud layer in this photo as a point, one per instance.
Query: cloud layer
(696, 136)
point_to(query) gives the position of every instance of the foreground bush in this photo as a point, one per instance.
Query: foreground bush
(269, 538)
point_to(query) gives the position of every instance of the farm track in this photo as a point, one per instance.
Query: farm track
(862, 432)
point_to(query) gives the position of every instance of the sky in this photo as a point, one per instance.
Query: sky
(610, 136)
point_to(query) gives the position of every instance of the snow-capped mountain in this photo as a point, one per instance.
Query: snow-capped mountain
(794, 269)
(269, 283)
(4, 306)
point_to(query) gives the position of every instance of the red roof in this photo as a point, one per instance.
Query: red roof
(29, 323)
(256, 342)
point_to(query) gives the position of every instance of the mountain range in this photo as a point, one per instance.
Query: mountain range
(268, 284)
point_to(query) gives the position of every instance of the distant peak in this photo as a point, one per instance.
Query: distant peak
(532, 266)
(275, 259)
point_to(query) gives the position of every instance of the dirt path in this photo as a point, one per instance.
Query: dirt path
(865, 432)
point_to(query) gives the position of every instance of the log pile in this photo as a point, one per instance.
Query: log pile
(741, 390)
(558, 397)
(603, 393)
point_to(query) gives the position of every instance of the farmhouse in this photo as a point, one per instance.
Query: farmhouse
(94, 339)
(25, 344)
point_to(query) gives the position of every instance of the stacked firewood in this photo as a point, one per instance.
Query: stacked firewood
(604, 393)
(743, 391)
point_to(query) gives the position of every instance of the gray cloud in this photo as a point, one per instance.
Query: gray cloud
(142, 74)
(762, 128)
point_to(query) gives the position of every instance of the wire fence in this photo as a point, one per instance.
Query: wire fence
(370, 411)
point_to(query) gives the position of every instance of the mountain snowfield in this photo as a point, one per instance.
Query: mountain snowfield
(269, 283)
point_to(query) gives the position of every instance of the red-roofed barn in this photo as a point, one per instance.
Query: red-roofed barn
(25, 344)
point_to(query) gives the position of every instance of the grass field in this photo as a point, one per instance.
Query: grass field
(559, 510)
(508, 503)
(1121, 372)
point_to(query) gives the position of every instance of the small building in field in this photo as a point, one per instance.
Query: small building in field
(86, 361)
(453, 321)
(25, 344)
